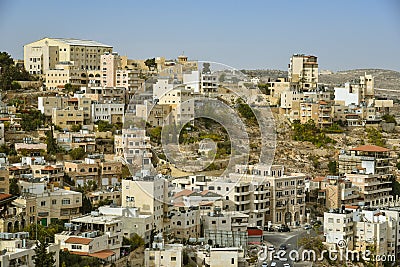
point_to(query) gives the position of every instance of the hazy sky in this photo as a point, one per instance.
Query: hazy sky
(243, 34)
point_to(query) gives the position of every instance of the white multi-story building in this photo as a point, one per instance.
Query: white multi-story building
(19, 251)
(264, 193)
(112, 113)
(92, 235)
(134, 146)
(338, 225)
(133, 221)
(161, 254)
(368, 229)
(209, 83)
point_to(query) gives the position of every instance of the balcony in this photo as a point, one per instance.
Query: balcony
(242, 193)
(242, 202)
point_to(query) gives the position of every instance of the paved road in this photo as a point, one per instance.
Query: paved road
(290, 239)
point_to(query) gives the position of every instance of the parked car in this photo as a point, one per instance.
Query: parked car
(271, 248)
(283, 247)
(264, 264)
(307, 227)
(273, 264)
(286, 265)
(283, 228)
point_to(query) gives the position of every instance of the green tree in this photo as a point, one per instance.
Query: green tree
(52, 147)
(333, 167)
(135, 241)
(155, 134)
(68, 87)
(104, 126)
(246, 112)
(15, 85)
(86, 205)
(76, 128)
(150, 63)
(14, 188)
(309, 132)
(5, 59)
(32, 119)
(10, 73)
(72, 260)
(375, 136)
(264, 88)
(77, 153)
(389, 118)
(42, 257)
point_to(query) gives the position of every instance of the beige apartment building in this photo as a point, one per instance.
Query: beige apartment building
(94, 168)
(71, 140)
(51, 205)
(150, 195)
(46, 104)
(65, 73)
(164, 255)
(116, 73)
(336, 191)
(276, 88)
(303, 71)
(65, 118)
(114, 95)
(44, 54)
(154, 114)
(369, 168)
(4, 181)
(184, 222)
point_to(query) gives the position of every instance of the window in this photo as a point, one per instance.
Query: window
(43, 203)
(173, 258)
(66, 201)
(53, 202)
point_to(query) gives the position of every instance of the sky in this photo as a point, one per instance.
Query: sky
(243, 34)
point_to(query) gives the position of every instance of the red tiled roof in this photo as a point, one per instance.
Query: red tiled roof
(179, 204)
(204, 192)
(351, 207)
(206, 203)
(370, 148)
(318, 179)
(13, 168)
(74, 99)
(5, 196)
(104, 254)
(322, 102)
(185, 192)
(48, 168)
(79, 240)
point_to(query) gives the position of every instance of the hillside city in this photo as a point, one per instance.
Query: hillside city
(112, 161)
